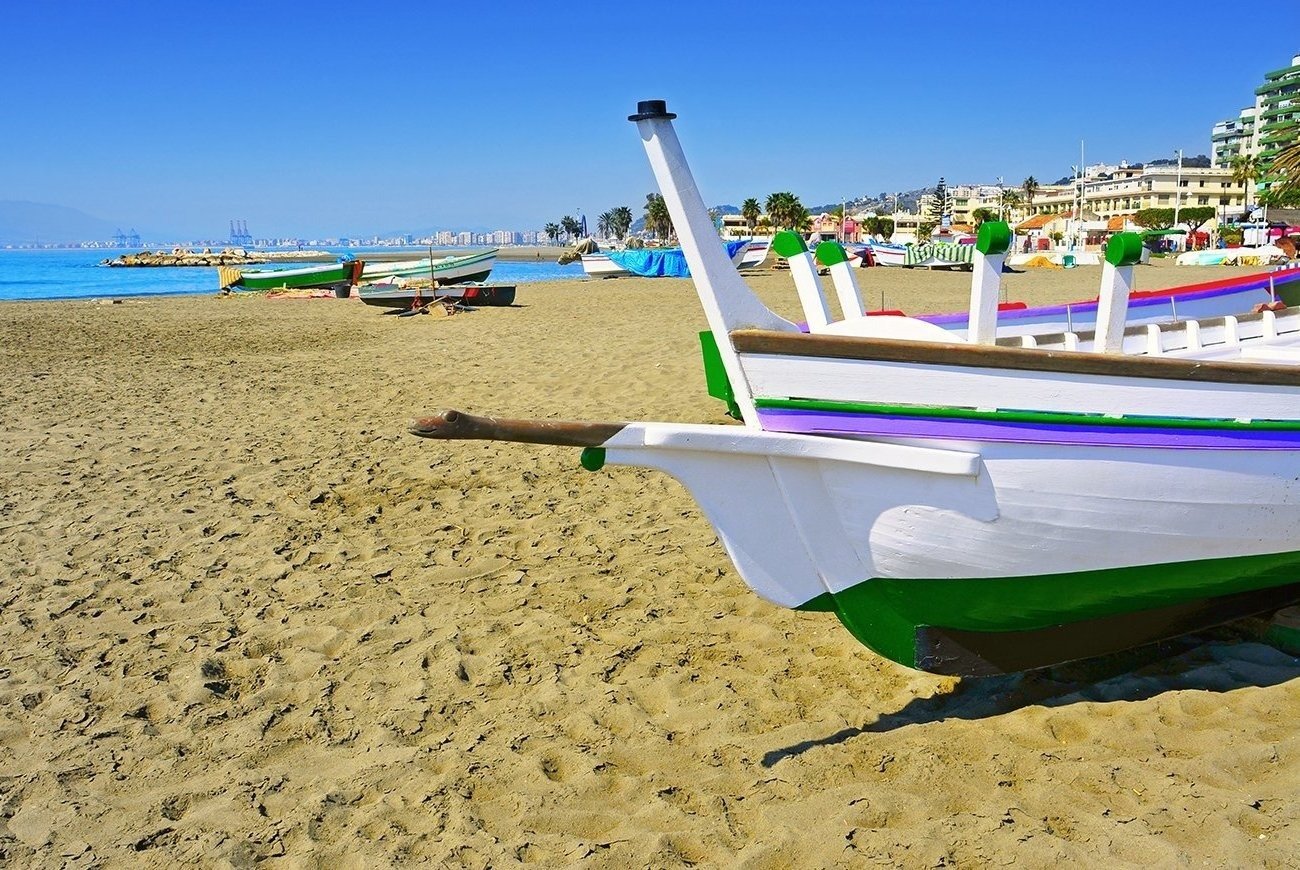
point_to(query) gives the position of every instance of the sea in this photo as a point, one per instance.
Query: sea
(76, 273)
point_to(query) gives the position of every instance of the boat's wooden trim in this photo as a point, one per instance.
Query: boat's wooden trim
(454, 426)
(755, 341)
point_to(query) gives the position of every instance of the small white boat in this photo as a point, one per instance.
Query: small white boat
(445, 270)
(930, 255)
(1262, 256)
(747, 255)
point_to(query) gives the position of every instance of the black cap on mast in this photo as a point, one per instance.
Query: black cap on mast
(647, 109)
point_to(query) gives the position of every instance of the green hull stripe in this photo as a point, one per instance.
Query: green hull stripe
(268, 281)
(884, 613)
(1013, 416)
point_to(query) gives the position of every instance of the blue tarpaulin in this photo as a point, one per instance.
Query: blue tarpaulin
(661, 262)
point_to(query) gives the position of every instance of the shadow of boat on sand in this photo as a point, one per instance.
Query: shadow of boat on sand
(1215, 661)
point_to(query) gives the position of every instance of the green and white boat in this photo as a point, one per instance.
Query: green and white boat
(446, 270)
(971, 506)
(333, 276)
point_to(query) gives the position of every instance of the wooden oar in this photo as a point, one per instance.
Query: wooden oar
(452, 425)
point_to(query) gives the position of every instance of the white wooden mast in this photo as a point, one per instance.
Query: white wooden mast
(833, 257)
(804, 271)
(1123, 251)
(986, 283)
(728, 302)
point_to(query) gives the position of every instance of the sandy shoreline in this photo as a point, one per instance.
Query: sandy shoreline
(246, 617)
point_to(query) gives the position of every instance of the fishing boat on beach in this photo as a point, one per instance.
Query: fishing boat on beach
(970, 505)
(403, 294)
(668, 262)
(1229, 296)
(930, 255)
(333, 276)
(461, 269)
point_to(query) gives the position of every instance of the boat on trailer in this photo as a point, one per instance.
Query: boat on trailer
(963, 506)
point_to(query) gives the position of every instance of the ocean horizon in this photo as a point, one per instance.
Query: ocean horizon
(46, 274)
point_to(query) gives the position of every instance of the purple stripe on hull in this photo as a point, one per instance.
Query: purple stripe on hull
(1237, 298)
(833, 423)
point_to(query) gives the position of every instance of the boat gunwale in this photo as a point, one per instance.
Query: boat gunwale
(762, 341)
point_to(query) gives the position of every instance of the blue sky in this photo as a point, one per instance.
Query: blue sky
(328, 118)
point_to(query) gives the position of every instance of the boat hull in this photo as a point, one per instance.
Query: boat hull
(329, 276)
(1039, 537)
(383, 295)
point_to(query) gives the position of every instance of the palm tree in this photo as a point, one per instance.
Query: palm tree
(1030, 187)
(605, 224)
(656, 216)
(1010, 202)
(982, 214)
(1245, 169)
(786, 211)
(552, 231)
(570, 225)
(750, 211)
(622, 221)
(1285, 167)
(774, 209)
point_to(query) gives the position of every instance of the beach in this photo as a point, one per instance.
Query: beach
(247, 618)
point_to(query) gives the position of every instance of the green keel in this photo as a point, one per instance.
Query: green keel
(887, 614)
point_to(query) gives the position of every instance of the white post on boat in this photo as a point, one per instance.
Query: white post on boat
(727, 301)
(833, 256)
(991, 246)
(1123, 252)
(804, 271)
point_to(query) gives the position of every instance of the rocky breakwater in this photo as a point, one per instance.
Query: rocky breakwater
(208, 257)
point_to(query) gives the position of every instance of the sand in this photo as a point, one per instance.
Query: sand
(245, 618)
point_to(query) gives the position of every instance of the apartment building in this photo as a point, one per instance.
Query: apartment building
(1126, 190)
(1278, 104)
(1262, 129)
(1233, 138)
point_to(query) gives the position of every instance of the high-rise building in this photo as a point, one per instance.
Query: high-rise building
(1233, 138)
(1263, 129)
(1277, 102)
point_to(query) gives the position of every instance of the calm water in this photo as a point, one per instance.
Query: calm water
(76, 274)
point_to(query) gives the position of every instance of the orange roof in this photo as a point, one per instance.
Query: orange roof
(1037, 222)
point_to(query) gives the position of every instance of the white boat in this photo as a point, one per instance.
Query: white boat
(1230, 296)
(965, 507)
(930, 255)
(459, 269)
(1262, 256)
(399, 293)
(751, 254)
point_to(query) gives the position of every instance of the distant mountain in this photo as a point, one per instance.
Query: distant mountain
(24, 222)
